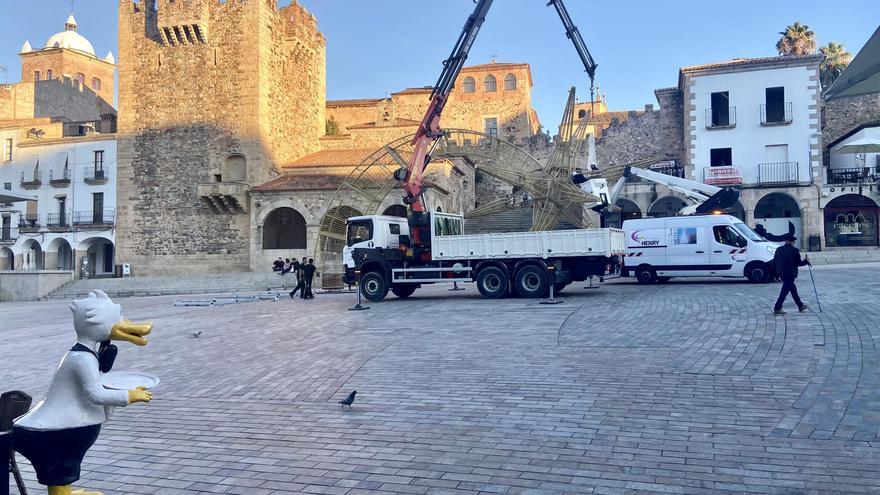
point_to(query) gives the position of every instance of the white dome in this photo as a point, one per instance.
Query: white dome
(70, 39)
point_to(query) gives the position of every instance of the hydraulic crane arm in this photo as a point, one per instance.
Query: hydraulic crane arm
(571, 31)
(706, 197)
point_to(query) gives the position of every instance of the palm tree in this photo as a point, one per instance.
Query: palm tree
(836, 59)
(797, 39)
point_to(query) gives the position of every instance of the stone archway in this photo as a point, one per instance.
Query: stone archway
(59, 255)
(738, 211)
(629, 210)
(778, 214)
(851, 220)
(667, 206)
(284, 228)
(32, 257)
(7, 259)
(396, 211)
(96, 257)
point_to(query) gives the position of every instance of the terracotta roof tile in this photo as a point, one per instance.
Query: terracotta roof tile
(333, 158)
(310, 182)
(608, 117)
(421, 90)
(360, 102)
(815, 57)
(495, 65)
(398, 122)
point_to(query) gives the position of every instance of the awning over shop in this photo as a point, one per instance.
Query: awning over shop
(12, 197)
(862, 76)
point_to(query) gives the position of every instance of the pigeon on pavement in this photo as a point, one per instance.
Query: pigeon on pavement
(197, 333)
(348, 401)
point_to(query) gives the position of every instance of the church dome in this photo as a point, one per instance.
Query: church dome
(70, 39)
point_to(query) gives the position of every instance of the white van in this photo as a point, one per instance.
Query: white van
(695, 246)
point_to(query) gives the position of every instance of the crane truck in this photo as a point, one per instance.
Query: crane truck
(400, 254)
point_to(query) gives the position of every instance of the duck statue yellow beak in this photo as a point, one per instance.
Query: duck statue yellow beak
(131, 332)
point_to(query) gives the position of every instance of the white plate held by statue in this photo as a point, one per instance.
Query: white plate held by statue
(127, 380)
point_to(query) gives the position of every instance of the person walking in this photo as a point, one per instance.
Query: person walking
(787, 260)
(297, 270)
(308, 276)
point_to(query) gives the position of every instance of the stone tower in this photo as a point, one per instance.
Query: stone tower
(214, 98)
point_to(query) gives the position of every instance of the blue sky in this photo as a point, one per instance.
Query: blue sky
(376, 47)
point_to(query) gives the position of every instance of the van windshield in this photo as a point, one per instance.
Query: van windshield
(749, 233)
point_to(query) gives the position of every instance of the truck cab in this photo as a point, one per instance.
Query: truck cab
(370, 232)
(696, 246)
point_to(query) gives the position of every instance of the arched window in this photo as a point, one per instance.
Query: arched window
(509, 82)
(234, 168)
(81, 79)
(582, 113)
(96, 84)
(468, 85)
(489, 84)
(49, 74)
(284, 228)
(36, 75)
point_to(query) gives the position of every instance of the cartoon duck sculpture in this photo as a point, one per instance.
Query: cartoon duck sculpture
(58, 432)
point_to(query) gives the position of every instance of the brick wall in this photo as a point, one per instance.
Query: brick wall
(842, 115)
(636, 138)
(67, 64)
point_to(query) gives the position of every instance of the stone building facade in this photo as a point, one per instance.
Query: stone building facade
(215, 97)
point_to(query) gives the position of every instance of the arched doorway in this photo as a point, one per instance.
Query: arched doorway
(59, 255)
(667, 206)
(284, 228)
(851, 220)
(628, 211)
(7, 259)
(31, 255)
(395, 211)
(778, 214)
(737, 211)
(97, 256)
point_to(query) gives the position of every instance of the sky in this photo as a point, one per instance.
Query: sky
(376, 47)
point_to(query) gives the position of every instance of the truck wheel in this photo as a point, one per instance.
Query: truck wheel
(373, 286)
(531, 281)
(492, 282)
(646, 275)
(403, 291)
(757, 272)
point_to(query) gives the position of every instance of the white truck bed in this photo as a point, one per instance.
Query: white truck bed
(543, 244)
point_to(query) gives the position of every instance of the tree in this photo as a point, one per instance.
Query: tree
(331, 128)
(836, 60)
(797, 39)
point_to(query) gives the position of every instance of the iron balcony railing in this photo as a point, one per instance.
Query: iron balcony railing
(92, 174)
(778, 173)
(58, 220)
(31, 178)
(863, 175)
(56, 177)
(717, 118)
(96, 217)
(29, 221)
(776, 113)
(8, 235)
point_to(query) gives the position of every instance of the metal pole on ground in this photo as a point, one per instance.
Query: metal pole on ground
(591, 286)
(358, 307)
(551, 278)
(815, 292)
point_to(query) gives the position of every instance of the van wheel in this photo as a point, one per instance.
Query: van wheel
(492, 282)
(373, 287)
(646, 275)
(403, 291)
(757, 272)
(531, 281)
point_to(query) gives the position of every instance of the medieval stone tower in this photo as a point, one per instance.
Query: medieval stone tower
(214, 98)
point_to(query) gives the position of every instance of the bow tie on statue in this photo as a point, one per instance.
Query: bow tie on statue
(106, 354)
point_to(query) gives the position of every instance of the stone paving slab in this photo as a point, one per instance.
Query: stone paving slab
(687, 387)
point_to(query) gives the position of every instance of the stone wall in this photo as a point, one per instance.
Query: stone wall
(249, 82)
(842, 115)
(671, 122)
(635, 139)
(57, 98)
(66, 64)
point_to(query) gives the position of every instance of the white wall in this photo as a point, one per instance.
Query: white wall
(749, 137)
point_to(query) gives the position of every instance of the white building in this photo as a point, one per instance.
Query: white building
(58, 145)
(755, 123)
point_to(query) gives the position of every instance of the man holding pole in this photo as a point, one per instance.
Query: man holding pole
(787, 260)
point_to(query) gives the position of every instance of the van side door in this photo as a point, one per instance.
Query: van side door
(686, 250)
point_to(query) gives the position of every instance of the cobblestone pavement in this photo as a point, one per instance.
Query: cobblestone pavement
(676, 388)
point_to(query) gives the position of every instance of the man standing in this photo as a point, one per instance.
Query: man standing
(308, 275)
(787, 260)
(299, 278)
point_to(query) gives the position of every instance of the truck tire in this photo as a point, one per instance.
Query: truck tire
(757, 272)
(492, 282)
(531, 281)
(646, 275)
(373, 286)
(403, 291)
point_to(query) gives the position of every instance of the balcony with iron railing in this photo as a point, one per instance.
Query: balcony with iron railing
(31, 180)
(95, 218)
(8, 235)
(776, 113)
(93, 175)
(717, 118)
(29, 222)
(778, 173)
(863, 175)
(58, 220)
(60, 178)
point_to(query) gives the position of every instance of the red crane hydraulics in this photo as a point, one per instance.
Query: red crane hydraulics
(429, 130)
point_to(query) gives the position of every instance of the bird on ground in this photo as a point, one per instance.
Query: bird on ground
(348, 401)
(197, 333)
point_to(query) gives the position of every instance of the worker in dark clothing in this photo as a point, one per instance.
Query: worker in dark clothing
(308, 272)
(300, 283)
(787, 260)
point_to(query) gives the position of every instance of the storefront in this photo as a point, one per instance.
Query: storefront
(851, 220)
